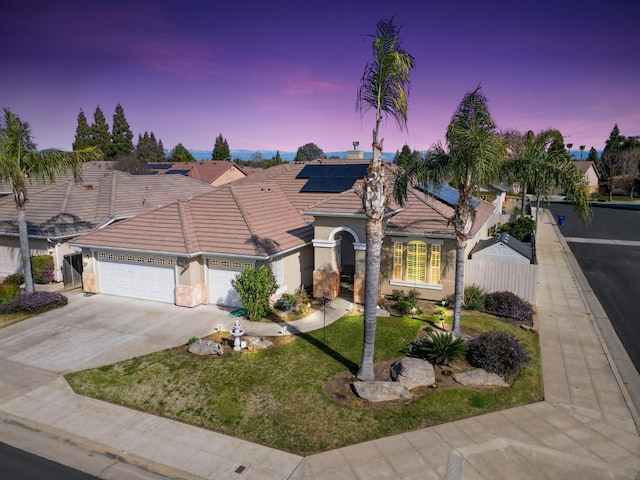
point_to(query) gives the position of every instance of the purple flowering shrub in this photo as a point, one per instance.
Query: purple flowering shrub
(36, 302)
(509, 305)
(498, 352)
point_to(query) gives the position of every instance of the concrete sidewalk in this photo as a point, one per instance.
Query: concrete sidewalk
(584, 429)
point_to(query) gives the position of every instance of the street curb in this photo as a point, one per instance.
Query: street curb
(96, 449)
(602, 323)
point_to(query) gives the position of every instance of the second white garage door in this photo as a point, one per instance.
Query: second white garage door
(221, 292)
(148, 282)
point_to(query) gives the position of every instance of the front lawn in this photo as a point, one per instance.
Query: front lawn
(275, 397)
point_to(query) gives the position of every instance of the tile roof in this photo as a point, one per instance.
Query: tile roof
(504, 238)
(264, 214)
(69, 208)
(206, 171)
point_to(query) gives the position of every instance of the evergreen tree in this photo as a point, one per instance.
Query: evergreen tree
(83, 133)
(148, 149)
(121, 136)
(100, 136)
(593, 155)
(406, 155)
(221, 149)
(615, 140)
(181, 154)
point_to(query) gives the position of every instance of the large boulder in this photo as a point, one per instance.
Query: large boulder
(378, 391)
(480, 378)
(413, 372)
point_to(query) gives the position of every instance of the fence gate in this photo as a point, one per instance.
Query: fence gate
(72, 271)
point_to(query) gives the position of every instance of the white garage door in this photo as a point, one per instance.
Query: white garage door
(138, 280)
(220, 290)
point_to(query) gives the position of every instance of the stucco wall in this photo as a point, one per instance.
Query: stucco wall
(229, 176)
(10, 253)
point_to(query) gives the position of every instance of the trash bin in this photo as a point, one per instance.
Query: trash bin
(561, 219)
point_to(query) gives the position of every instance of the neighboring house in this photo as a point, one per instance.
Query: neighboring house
(305, 222)
(65, 209)
(503, 248)
(213, 172)
(590, 174)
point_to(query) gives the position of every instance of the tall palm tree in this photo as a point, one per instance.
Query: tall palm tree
(472, 158)
(384, 87)
(542, 168)
(21, 163)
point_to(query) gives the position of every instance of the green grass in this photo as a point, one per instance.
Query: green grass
(275, 397)
(7, 319)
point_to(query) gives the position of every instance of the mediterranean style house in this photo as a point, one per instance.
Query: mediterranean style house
(303, 221)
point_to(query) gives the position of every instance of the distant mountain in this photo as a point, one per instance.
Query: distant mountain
(287, 156)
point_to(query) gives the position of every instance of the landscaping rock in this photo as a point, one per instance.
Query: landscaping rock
(256, 343)
(380, 391)
(208, 348)
(413, 372)
(480, 378)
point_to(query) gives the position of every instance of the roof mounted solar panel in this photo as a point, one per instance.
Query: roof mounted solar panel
(445, 194)
(357, 170)
(177, 172)
(159, 166)
(328, 184)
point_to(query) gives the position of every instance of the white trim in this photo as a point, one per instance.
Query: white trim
(360, 246)
(356, 239)
(402, 283)
(324, 243)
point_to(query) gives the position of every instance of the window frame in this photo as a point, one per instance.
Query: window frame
(431, 262)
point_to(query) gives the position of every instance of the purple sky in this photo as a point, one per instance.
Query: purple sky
(279, 74)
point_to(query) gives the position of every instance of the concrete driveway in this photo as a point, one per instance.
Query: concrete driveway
(100, 329)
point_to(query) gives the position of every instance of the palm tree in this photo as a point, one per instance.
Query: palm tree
(384, 87)
(582, 147)
(542, 168)
(21, 163)
(472, 158)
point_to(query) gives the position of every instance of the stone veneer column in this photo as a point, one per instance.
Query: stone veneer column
(360, 250)
(191, 295)
(89, 283)
(326, 280)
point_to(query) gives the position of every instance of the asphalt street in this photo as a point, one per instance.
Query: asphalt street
(18, 464)
(612, 269)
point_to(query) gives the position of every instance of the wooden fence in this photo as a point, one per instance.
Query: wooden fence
(519, 278)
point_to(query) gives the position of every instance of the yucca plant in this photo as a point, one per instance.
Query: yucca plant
(441, 348)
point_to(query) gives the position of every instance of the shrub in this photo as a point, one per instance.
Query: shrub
(14, 279)
(8, 292)
(474, 296)
(440, 348)
(192, 340)
(42, 268)
(498, 352)
(36, 302)
(509, 305)
(398, 295)
(520, 228)
(255, 286)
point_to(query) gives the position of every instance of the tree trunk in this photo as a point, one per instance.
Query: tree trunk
(374, 202)
(461, 246)
(371, 288)
(523, 201)
(25, 252)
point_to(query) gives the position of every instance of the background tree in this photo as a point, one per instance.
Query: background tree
(256, 158)
(629, 164)
(221, 149)
(473, 156)
(83, 133)
(181, 154)
(131, 164)
(121, 136)
(308, 152)
(100, 137)
(406, 155)
(148, 149)
(582, 147)
(384, 87)
(593, 156)
(19, 161)
(610, 162)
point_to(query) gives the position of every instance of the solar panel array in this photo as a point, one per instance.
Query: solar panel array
(159, 166)
(445, 194)
(331, 178)
(177, 172)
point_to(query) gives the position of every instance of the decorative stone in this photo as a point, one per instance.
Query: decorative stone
(200, 348)
(378, 391)
(480, 378)
(259, 343)
(413, 372)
